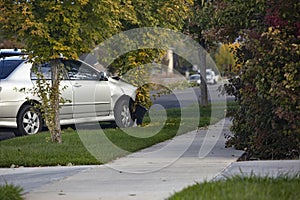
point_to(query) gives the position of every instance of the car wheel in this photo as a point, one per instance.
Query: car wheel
(122, 113)
(29, 121)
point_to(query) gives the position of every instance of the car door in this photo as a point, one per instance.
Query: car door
(66, 110)
(91, 96)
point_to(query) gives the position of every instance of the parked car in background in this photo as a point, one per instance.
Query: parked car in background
(93, 95)
(211, 78)
(194, 79)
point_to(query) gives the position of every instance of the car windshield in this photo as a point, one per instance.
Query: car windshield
(194, 77)
(8, 66)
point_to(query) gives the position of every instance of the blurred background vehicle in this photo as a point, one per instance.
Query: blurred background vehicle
(211, 78)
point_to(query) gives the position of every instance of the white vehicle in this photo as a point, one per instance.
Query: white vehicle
(211, 78)
(93, 95)
(195, 79)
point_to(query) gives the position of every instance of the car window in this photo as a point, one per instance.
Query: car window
(194, 77)
(8, 66)
(77, 70)
(45, 69)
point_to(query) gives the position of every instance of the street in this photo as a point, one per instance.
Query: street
(183, 98)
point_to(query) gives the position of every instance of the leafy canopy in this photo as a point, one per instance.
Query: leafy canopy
(51, 28)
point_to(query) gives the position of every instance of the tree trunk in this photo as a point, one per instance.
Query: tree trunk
(55, 131)
(203, 85)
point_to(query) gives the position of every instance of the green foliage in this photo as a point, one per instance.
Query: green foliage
(51, 28)
(199, 20)
(225, 59)
(166, 14)
(232, 18)
(266, 123)
(10, 192)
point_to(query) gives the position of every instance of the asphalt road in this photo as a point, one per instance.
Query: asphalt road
(32, 178)
(183, 98)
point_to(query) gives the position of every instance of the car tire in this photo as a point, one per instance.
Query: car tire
(123, 113)
(29, 121)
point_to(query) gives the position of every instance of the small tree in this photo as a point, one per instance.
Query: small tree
(49, 29)
(196, 25)
(225, 58)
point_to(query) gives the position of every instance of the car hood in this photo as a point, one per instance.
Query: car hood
(120, 87)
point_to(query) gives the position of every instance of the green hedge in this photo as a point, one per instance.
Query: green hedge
(267, 121)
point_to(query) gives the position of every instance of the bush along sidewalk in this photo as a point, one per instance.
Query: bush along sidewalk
(10, 192)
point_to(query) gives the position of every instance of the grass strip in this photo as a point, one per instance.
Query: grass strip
(38, 150)
(240, 188)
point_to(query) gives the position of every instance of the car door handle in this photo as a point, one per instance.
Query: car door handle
(77, 85)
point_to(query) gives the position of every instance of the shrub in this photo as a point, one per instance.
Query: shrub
(267, 121)
(10, 192)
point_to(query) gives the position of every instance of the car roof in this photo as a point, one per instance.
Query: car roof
(11, 53)
(14, 58)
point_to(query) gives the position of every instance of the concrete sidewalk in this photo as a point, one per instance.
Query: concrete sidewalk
(269, 168)
(159, 171)
(154, 173)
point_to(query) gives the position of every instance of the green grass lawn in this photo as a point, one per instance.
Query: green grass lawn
(238, 188)
(37, 150)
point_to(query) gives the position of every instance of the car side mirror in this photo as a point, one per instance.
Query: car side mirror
(103, 76)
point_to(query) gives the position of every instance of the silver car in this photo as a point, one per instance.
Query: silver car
(210, 78)
(93, 95)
